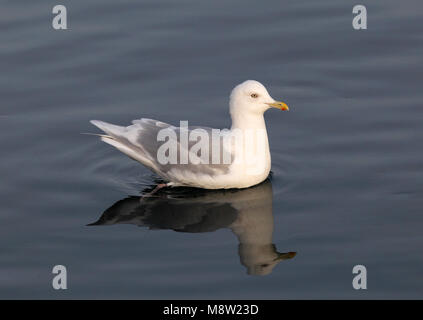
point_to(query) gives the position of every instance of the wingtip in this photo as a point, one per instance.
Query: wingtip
(95, 122)
(101, 125)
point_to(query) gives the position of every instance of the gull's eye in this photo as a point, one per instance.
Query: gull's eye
(254, 95)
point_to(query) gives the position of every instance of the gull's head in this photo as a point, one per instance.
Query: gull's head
(251, 96)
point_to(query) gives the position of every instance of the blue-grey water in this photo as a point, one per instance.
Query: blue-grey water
(347, 182)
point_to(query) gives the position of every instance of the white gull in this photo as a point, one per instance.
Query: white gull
(248, 102)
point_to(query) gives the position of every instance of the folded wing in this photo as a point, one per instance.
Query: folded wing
(140, 142)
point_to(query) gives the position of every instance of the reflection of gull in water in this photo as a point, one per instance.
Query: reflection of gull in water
(248, 213)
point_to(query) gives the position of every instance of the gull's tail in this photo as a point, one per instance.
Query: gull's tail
(117, 136)
(110, 129)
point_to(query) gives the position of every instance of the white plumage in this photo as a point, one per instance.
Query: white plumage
(248, 146)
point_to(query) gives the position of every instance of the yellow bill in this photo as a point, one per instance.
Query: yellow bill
(279, 105)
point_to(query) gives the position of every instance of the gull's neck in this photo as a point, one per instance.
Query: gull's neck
(247, 120)
(251, 146)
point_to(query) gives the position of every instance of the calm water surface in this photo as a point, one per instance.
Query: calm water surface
(347, 181)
